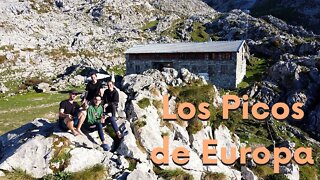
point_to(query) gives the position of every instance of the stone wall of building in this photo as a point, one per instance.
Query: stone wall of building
(222, 73)
(241, 65)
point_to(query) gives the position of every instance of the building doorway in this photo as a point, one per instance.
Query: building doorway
(161, 65)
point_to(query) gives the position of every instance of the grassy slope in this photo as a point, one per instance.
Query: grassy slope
(20, 109)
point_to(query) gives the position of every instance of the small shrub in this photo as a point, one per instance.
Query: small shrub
(195, 94)
(7, 47)
(194, 126)
(139, 124)
(61, 156)
(150, 25)
(262, 171)
(3, 59)
(132, 163)
(157, 104)
(215, 176)
(110, 131)
(19, 174)
(307, 172)
(58, 176)
(118, 70)
(176, 174)
(98, 171)
(34, 81)
(144, 103)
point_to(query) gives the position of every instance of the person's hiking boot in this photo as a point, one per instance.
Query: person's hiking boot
(105, 147)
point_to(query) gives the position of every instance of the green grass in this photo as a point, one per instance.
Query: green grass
(150, 25)
(199, 34)
(144, 103)
(308, 172)
(118, 70)
(262, 170)
(109, 130)
(98, 171)
(176, 174)
(172, 30)
(20, 109)
(256, 68)
(18, 174)
(132, 163)
(58, 176)
(195, 94)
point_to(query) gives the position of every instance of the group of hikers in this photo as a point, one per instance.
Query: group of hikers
(93, 113)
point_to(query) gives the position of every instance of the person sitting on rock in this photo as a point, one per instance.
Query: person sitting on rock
(96, 120)
(93, 88)
(71, 117)
(110, 99)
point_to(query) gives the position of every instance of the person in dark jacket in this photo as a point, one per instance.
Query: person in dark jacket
(93, 88)
(110, 99)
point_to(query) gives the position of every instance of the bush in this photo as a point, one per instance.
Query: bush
(132, 163)
(195, 94)
(144, 103)
(176, 174)
(140, 123)
(150, 25)
(98, 171)
(3, 59)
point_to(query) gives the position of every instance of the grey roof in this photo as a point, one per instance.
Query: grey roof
(215, 46)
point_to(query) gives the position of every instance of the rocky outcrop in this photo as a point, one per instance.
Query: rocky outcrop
(41, 148)
(3, 88)
(304, 13)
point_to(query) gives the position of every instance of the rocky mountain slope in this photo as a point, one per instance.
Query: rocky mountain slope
(299, 13)
(41, 150)
(48, 47)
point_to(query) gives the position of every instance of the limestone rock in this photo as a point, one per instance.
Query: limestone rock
(122, 103)
(133, 83)
(42, 87)
(82, 158)
(129, 147)
(2, 174)
(247, 174)
(197, 139)
(291, 171)
(142, 172)
(3, 88)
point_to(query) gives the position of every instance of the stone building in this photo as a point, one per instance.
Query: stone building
(221, 62)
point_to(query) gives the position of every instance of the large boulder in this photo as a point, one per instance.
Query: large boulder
(247, 174)
(135, 82)
(142, 172)
(42, 87)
